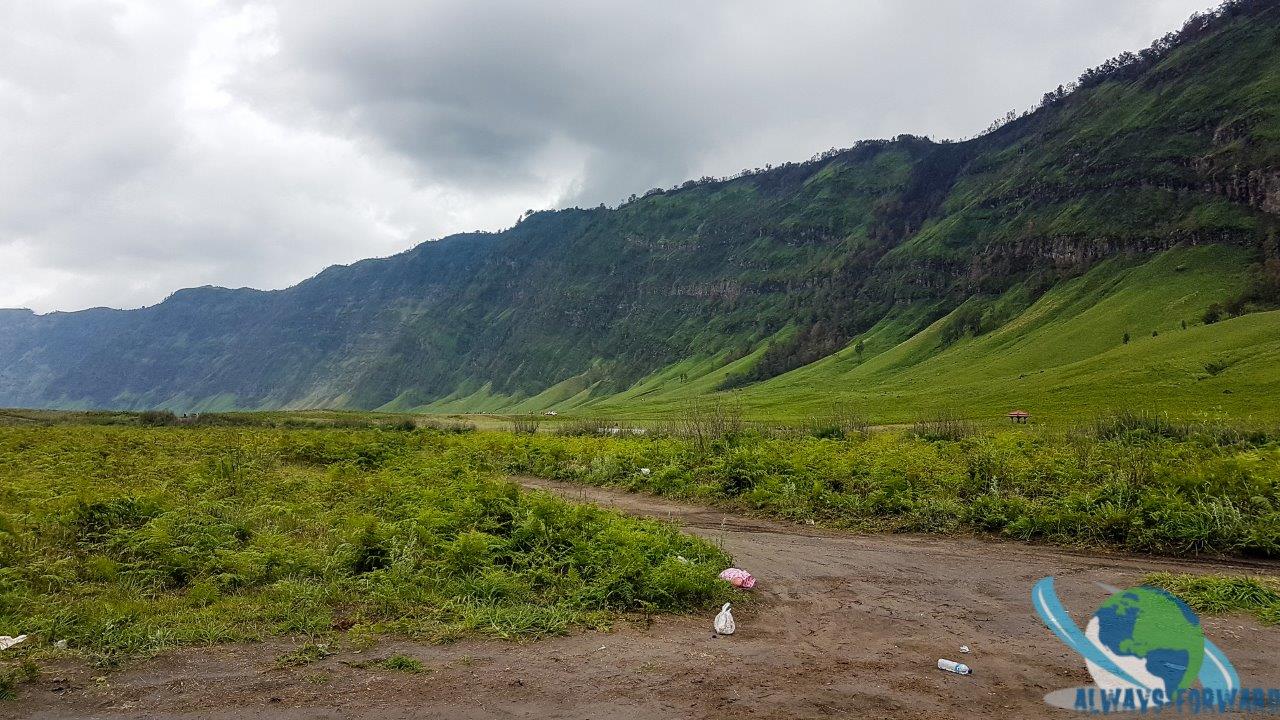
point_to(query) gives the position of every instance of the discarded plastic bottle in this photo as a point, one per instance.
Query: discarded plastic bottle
(953, 666)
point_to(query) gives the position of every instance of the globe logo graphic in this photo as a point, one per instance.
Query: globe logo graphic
(1149, 634)
(1142, 639)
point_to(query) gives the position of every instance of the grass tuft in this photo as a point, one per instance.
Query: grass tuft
(14, 675)
(305, 655)
(401, 663)
(1218, 594)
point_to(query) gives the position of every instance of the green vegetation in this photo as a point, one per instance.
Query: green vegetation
(123, 541)
(1205, 492)
(396, 663)
(305, 655)
(1218, 594)
(1061, 358)
(14, 674)
(285, 420)
(401, 663)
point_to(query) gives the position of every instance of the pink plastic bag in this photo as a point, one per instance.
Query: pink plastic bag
(738, 578)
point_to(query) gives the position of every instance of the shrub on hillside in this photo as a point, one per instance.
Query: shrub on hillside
(706, 421)
(525, 424)
(947, 425)
(153, 418)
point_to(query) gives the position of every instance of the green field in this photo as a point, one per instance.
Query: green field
(1174, 491)
(126, 534)
(126, 540)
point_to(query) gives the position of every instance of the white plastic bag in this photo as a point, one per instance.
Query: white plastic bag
(724, 621)
(7, 642)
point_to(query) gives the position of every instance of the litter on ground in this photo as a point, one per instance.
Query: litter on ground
(724, 621)
(965, 649)
(953, 667)
(7, 642)
(738, 578)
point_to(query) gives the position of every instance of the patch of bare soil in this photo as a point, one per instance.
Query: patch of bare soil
(838, 626)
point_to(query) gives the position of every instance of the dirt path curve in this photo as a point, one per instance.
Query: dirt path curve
(842, 626)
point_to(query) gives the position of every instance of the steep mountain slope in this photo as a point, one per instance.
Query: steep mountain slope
(946, 264)
(1065, 354)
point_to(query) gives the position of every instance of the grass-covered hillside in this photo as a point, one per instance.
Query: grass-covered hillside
(1000, 270)
(1130, 333)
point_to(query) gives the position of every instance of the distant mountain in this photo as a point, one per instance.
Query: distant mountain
(890, 273)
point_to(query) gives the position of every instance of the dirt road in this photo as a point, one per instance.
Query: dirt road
(842, 626)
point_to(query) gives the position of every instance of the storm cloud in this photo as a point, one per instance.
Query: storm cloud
(149, 146)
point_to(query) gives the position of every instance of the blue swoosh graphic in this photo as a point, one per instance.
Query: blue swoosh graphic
(1045, 600)
(1217, 672)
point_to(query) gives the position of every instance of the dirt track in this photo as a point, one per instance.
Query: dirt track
(844, 626)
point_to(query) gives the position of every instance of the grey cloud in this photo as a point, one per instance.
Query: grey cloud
(150, 146)
(650, 93)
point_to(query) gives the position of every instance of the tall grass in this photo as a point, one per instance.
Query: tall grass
(124, 541)
(1158, 496)
(1217, 594)
(1142, 425)
(706, 421)
(525, 424)
(839, 423)
(945, 424)
(591, 427)
(447, 426)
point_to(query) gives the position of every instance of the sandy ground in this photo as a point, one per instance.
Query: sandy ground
(840, 626)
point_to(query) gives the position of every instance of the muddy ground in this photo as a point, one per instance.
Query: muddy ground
(839, 626)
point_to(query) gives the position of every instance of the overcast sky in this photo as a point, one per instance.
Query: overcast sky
(147, 146)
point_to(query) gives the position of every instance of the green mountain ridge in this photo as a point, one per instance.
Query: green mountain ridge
(894, 275)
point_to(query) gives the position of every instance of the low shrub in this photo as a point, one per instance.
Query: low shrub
(705, 422)
(154, 418)
(525, 424)
(947, 425)
(15, 674)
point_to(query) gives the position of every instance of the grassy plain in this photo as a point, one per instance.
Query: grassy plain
(124, 539)
(127, 540)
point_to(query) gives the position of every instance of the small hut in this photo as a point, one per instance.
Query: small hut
(1019, 416)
